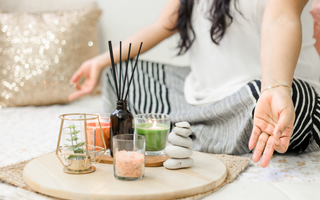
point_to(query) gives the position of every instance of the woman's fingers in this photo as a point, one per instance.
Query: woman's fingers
(283, 131)
(284, 142)
(85, 70)
(271, 146)
(268, 143)
(77, 75)
(254, 137)
(268, 152)
(262, 141)
(77, 94)
(74, 79)
(282, 124)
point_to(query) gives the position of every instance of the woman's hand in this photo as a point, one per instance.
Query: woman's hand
(281, 40)
(274, 114)
(91, 70)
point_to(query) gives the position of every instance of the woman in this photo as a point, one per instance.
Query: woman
(231, 44)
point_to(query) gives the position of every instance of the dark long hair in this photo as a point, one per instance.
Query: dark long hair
(219, 16)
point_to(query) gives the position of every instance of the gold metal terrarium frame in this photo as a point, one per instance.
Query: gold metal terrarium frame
(88, 168)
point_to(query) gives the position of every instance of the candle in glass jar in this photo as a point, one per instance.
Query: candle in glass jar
(105, 126)
(155, 134)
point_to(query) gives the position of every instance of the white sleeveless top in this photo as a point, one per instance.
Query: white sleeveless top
(218, 71)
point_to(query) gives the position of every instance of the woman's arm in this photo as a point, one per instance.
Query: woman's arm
(150, 35)
(281, 38)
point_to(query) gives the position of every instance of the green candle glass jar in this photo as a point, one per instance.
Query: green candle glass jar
(155, 128)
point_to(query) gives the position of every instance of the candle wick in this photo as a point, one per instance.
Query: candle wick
(154, 125)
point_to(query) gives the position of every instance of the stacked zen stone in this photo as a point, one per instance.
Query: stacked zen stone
(180, 150)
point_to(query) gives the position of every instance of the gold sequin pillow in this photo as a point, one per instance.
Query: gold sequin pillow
(39, 52)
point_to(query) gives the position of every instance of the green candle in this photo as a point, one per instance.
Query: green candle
(155, 134)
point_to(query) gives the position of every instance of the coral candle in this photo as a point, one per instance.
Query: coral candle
(97, 139)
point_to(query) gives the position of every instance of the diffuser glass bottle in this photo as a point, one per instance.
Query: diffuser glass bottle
(121, 121)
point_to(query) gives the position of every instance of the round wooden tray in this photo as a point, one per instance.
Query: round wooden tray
(45, 175)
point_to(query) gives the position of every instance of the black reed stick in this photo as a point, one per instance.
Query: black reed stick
(130, 64)
(133, 71)
(125, 75)
(113, 69)
(120, 74)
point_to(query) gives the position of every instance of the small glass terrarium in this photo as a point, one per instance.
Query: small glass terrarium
(76, 149)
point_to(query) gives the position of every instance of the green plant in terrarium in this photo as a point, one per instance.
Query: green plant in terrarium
(75, 146)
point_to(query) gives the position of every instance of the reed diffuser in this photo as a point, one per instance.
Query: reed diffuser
(121, 119)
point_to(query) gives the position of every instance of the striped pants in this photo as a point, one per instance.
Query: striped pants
(222, 127)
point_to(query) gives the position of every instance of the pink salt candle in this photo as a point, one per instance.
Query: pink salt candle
(129, 163)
